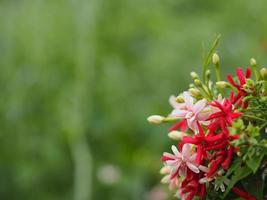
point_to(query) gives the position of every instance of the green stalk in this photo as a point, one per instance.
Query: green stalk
(218, 72)
(207, 59)
(254, 117)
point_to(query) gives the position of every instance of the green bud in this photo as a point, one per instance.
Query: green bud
(215, 59)
(263, 73)
(253, 62)
(191, 85)
(197, 82)
(208, 74)
(194, 92)
(194, 75)
(179, 99)
(221, 84)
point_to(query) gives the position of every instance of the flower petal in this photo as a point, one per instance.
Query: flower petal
(168, 155)
(192, 124)
(200, 105)
(188, 99)
(193, 157)
(192, 167)
(186, 151)
(176, 152)
(179, 113)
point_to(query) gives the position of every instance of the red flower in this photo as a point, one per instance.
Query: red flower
(191, 187)
(181, 126)
(226, 113)
(205, 142)
(239, 85)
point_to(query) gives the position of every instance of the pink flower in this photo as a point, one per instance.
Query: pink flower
(180, 161)
(190, 111)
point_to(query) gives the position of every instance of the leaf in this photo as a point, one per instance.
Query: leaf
(254, 161)
(238, 175)
(207, 59)
(235, 165)
(254, 185)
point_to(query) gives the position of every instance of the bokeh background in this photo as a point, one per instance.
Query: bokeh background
(79, 77)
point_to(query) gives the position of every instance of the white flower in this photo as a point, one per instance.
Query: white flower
(193, 113)
(180, 161)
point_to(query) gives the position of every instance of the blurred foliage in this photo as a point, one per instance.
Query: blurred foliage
(79, 77)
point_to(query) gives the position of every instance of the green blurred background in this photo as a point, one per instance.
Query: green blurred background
(79, 77)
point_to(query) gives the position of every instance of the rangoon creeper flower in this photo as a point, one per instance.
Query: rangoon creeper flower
(193, 113)
(180, 161)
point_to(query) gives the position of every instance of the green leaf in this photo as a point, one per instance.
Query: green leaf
(207, 59)
(254, 161)
(235, 165)
(238, 175)
(254, 185)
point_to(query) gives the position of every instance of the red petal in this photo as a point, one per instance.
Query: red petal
(248, 72)
(241, 76)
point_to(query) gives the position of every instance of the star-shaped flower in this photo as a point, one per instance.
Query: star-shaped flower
(193, 113)
(179, 162)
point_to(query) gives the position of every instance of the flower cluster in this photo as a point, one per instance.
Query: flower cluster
(219, 129)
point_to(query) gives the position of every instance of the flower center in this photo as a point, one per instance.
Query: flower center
(190, 114)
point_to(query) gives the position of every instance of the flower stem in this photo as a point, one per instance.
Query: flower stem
(254, 117)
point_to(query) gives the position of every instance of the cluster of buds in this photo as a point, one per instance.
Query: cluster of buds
(202, 118)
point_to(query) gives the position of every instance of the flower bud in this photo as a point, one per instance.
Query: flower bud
(191, 85)
(207, 74)
(221, 84)
(165, 179)
(215, 59)
(194, 92)
(176, 135)
(253, 62)
(263, 73)
(155, 119)
(179, 99)
(194, 75)
(165, 170)
(197, 82)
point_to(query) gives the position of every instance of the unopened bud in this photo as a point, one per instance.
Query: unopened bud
(194, 92)
(165, 179)
(215, 59)
(208, 74)
(176, 135)
(221, 84)
(253, 62)
(197, 82)
(194, 75)
(179, 99)
(155, 119)
(191, 85)
(165, 170)
(263, 73)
